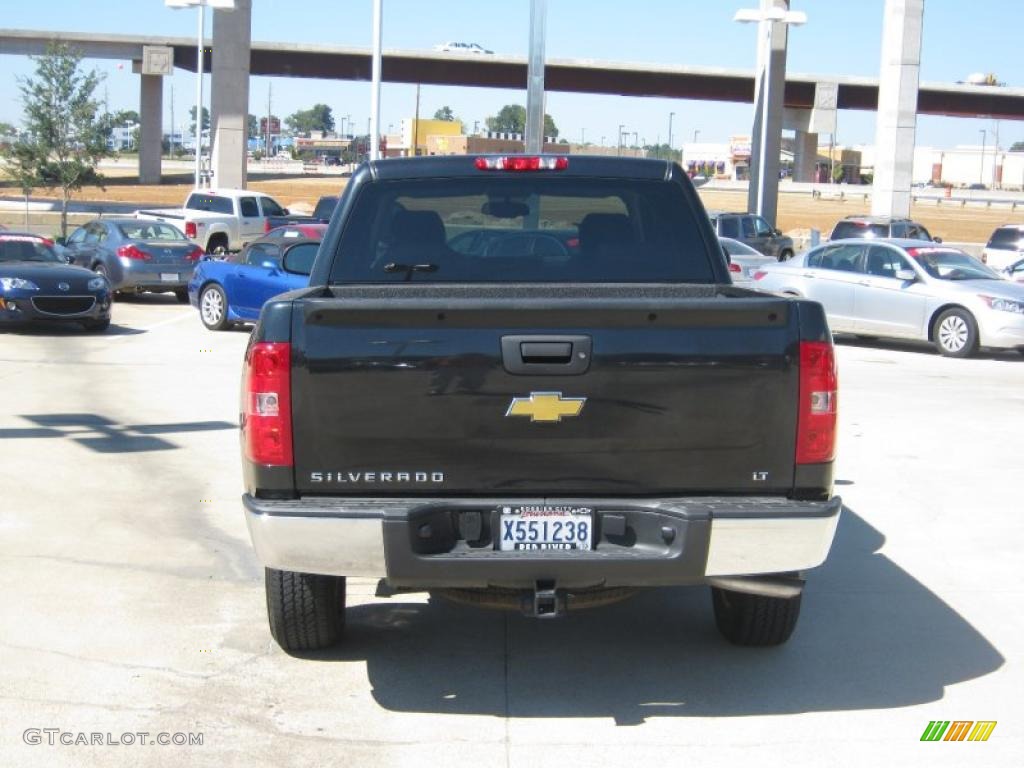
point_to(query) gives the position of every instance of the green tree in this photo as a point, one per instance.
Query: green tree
(21, 167)
(512, 119)
(317, 118)
(192, 119)
(125, 117)
(67, 137)
(253, 126)
(445, 113)
(550, 129)
(1017, 146)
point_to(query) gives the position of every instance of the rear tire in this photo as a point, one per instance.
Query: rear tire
(955, 333)
(218, 245)
(181, 294)
(306, 610)
(785, 255)
(753, 620)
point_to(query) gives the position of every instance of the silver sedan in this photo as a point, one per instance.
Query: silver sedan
(744, 261)
(904, 289)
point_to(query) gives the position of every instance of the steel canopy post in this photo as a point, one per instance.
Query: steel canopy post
(535, 77)
(222, 5)
(375, 91)
(200, 66)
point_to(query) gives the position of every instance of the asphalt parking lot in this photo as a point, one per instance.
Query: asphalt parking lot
(132, 601)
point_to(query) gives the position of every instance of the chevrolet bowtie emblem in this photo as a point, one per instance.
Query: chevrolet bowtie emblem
(546, 406)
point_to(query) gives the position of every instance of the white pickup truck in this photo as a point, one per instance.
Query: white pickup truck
(224, 220)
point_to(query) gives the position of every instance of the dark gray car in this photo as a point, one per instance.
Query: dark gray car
(753, 230)
(880, 226)
(136, 255)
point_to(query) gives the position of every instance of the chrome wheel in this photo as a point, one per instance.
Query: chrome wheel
(213, 308)
(953, 333)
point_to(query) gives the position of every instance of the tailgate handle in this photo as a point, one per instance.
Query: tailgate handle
(546, 352)
(546, 355)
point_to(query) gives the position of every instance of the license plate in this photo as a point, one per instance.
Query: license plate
(545, 527)
(169, 277)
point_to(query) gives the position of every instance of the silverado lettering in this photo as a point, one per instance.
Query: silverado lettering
(448, 288)
(377, 477)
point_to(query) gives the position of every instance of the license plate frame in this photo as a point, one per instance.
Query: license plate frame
(169, 277)
(544, 528)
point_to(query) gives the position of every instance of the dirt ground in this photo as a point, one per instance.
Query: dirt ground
(796, 211)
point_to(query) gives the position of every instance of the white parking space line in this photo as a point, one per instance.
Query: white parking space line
(146, 328)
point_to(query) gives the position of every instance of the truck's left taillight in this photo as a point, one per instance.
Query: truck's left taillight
(818, 409)
(266, 404)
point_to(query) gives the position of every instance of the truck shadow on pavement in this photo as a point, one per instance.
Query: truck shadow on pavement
(870, 637)
(103, 435)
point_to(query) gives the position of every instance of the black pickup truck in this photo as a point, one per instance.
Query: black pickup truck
(528, 382)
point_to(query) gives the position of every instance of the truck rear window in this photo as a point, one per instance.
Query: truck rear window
(519, 229)
(212, 203)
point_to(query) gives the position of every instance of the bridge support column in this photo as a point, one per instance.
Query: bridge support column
(899, 77)
(772, 112)
(151, 113)
(805, 156)
(229, 114)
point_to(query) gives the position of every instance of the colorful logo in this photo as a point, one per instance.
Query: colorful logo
(958, 730)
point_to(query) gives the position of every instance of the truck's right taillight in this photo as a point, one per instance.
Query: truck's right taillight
(266, 404)
(817, 412)
(190, 229)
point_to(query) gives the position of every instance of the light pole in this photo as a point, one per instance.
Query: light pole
(767, 18)
(223, 5)
(670, 116)
(373, 124)
(696, 133)
(618, 143)
(981, 174)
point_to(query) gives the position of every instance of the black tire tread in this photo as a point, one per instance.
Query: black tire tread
(754, 620)
(306, 611)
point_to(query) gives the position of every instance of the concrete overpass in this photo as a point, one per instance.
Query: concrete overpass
(428, 67)
(567, 75)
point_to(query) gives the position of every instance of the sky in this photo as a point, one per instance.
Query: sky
(841, 37)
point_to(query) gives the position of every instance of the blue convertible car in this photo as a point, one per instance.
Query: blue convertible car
(229, 292)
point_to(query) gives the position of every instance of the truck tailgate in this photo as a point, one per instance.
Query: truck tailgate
(680, 390)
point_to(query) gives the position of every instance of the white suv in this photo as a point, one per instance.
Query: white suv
(1005, 247)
